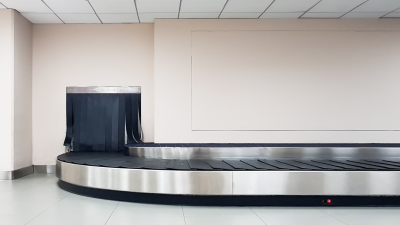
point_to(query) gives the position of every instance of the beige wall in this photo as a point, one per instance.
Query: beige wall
(7, 89)
(295, 80)
(341, 76)
(86, 55)
(22, 92)
(16, 91)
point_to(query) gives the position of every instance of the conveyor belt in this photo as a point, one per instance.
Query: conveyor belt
(255, 145)
(119, 160)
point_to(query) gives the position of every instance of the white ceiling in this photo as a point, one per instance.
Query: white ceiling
(145, 11)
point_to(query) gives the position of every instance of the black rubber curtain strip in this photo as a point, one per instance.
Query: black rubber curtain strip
(97, 122)
(68, 136)
(135, 118)
(121, 122)
(132, 118)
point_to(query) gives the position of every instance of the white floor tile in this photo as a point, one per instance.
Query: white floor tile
(286, 211)
(37, 200)
(145, 220)
(5, 194)
(299, 220)
(370, 220)
(216, 211)
(365, 216)
(136, 209)
(77, 210)
(224, 220)
(360, 211)
(295, 216)
(12, 220)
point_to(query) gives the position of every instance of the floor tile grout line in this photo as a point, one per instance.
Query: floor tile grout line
(111, 213)
(47, 208)
(330, 215)
(258, 216)
(183, 213)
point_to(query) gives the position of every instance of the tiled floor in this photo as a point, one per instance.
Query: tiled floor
(37, 200)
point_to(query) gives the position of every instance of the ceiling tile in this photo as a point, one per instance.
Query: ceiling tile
(336, 5)
(291, 6)
(158, 6)
(36, 6)
(378, 6)
(353, 15)
(239, 15)
(202, 5)
(70, 6)
(117, 6)
(247, 6)
(198, 15)
(281, 15)
(42, 17)
(149, 17)
(393, 15)
(323, 15)
(118, 18)
(79, 18)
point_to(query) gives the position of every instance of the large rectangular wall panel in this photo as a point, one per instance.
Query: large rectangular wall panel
(295, 80)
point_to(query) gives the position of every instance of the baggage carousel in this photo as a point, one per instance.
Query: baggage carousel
(238, 174)
(101, 120)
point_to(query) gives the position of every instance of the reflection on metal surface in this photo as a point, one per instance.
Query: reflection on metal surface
(350, 183)
(261, 152)
(147, 181)
(104, 90)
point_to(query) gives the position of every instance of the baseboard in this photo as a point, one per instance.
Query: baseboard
(44, 168)
(15, 174)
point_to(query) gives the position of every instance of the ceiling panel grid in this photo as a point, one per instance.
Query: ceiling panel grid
(202, 6)
(31, 6)
(79, 18)
(70, 6)
(158, 6)
(113, 6)
(42, 18)
(247, 6)
(336, 6)
(375, 6)
(146, 11)
(279, 6)
(119, 18)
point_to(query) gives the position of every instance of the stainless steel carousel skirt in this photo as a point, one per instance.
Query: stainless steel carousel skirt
(307, 182)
